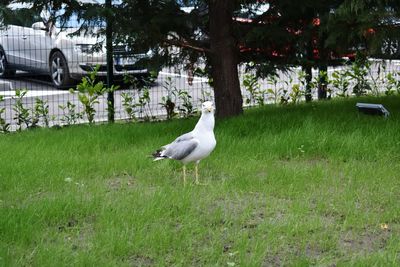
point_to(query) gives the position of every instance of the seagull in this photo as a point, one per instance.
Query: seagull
(193, 146)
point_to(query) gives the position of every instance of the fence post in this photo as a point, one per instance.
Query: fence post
(110, 61)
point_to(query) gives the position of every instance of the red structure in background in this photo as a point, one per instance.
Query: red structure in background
(289, 50)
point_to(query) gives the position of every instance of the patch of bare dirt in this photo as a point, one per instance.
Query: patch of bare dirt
(364, 243)
(78, 232)
(120, 182)
(140, 261)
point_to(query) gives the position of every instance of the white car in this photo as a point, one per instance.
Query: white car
(28, 44)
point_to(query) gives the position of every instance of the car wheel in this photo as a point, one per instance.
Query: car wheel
(5, 72)
(59, 70)
(390, 48)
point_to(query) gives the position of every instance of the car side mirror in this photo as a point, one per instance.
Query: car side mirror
(39, 26)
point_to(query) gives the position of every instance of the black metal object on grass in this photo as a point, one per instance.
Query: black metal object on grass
(373, 109)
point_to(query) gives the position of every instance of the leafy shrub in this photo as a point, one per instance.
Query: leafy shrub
(256, 95)
(40, 111)
(128, 103)
(89, 91)
(358, 74)
(22, 115)
(274, 91)
(140, 90)
(168, 102)
(70, 115)
(4, 127)
(340, 81)
(392, 84)
(186, 107)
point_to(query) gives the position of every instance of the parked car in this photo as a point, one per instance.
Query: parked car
(29, 42)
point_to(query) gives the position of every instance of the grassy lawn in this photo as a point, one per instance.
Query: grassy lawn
(315, 184)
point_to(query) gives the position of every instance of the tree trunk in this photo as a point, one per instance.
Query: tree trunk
(323, 69)
(322, 83)
(308, 93)
(224, 59)
(307, 68)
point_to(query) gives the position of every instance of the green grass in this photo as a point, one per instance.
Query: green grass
(299, 185)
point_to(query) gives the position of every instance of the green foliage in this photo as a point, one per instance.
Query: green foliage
(283, 34)
(70, 115)
(168, 102)
(22, 115)
(358, 74)
(144, 104)
(139, 103)
(393, 83)
(138, 99)
(89, 91)
(40, 111)
(186, 108)
(4, 127)
(296, 93)
(128, 102)
(251, 84)
(340, 81)
(322, 82)
(298, 90)
(275, 91)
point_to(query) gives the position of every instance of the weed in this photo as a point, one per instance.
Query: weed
(340, 81)
(40, 111)
(89, 91)
(168, 102)
(22, 115)
(70, 115)
(4, 126)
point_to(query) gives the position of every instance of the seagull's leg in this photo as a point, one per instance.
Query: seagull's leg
(196, 168)
(197, 173)
(184, 174)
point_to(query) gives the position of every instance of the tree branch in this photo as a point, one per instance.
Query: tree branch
(190, 44)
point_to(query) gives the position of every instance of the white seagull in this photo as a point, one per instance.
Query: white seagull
(195, 145)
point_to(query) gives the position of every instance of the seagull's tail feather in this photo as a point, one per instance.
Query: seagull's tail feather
(158, 155)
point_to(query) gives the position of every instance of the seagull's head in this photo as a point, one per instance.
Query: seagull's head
(207, 107)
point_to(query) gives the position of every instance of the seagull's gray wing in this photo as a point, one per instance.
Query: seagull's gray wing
(184, 137)
(181, 147)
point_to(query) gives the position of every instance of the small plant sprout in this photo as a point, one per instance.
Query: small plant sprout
(128, 102)
(40, 111)
(186, 107)
(256, 95)
(168, 102)
(4, 126)
(358, 75)
(340, 82)
(392, 83)
(22, 115)
(141, 106)
(274, 91)
(70, 115)
(144, 104)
